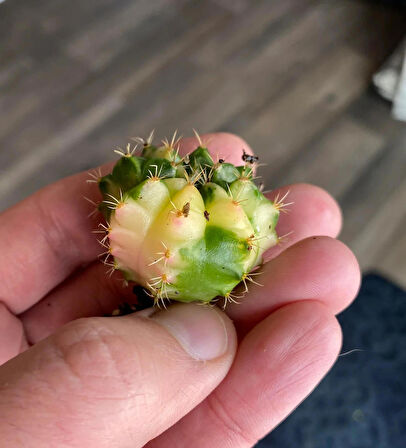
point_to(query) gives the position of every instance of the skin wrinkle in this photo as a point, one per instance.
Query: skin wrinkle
(23, 344)
(66, 419)
(244, 404)
(296, 374)
(60, 354)
(15, 276)
(233, 428)
(297, 343)
(20, 403)
(193, 389)
(284, 351)
(96, 339)
(17, 432)
(296, 377)
(319, 328)
(33, 382)
(114, 360)
(107, 342)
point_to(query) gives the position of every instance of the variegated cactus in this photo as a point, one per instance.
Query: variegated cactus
(185, 228)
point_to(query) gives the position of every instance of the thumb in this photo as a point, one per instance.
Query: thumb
(103, 382)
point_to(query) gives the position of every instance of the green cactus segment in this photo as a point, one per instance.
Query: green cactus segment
(224, 174)
(212, 192)
(217, 261)
(186, 229)
(200, 158)
(163, 152)
(128, 172)
(160, 168)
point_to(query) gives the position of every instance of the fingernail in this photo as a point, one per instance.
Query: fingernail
(200, 330)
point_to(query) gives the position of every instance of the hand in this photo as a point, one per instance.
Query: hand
(153, 378)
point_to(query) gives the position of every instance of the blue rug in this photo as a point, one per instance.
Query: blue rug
(362, 401)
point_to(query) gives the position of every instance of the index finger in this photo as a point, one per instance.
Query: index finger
(49, 235)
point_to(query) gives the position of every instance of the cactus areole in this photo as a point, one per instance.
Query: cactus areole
(185, 228)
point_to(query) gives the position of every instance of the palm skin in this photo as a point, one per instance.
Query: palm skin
(288, 336)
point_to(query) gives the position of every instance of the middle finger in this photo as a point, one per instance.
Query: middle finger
(318, 268)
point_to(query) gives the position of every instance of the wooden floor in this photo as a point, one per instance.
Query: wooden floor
(291, 76)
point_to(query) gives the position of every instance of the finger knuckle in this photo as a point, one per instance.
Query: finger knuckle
(96, 358)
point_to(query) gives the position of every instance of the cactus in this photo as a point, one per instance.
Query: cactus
(185, 228)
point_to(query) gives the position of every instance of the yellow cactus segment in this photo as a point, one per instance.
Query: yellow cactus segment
(174, 184)
(131, 215)
(264, 220)
(229, 215)
(215, 192)
(180, 223)
(182, 219)
(152, 196)
(245, 192)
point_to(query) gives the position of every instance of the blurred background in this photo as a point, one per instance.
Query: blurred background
(292, 77)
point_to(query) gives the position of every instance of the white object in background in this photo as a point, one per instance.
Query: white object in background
(390, 82)
(399, 102)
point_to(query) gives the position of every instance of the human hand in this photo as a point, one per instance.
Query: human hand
(154, 378)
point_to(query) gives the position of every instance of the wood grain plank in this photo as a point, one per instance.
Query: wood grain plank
(270, 58)
(380, 233)
(372, 190)
(35, 92)
(256, 24)
(104, 43)
(373, 112)
(12, 71)
(26, 26)
(289, 122)
(120, 79)
(50, 75)
(282, 64)
(19, 169)
(383, 27)
(334, 158)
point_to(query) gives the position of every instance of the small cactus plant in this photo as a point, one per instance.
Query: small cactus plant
(185, 228)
